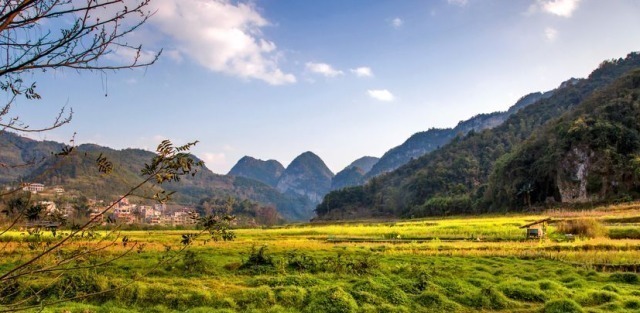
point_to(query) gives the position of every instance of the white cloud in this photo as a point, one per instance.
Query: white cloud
(214, 159)
(564, 8)
(460, 3)
(323, 69)
(551, 33)
(397, 22)
(222, 36)
(363, 71)
(381, 95)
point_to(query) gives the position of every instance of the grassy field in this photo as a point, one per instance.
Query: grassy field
(431, 265)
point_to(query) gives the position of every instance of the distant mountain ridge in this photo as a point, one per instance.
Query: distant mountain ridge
(268, 172)
(577, 145)
(308, 176)
(79, 172)
(422, 143)
(354, 173)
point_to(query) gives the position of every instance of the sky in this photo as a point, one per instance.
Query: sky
(275, 78)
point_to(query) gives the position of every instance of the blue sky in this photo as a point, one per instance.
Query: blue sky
(275, 78)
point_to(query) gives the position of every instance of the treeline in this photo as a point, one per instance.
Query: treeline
(491, 171)
(247, 213)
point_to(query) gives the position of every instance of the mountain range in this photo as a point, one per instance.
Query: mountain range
(495, 161)
(578, 143)
(31, 161)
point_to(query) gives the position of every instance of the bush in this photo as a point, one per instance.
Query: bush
(632, 304)
(627, 278)
(290, 296)
(598, 298)
(490, 299)
(258, 262)
(436, 302)
(367, 297)
(331, 300)
(521, 291)
(562, 306)
(79, 284)
(388, 308)
(583, 227)
(258, 298)
(192, 263)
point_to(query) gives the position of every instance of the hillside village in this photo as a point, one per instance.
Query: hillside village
(60, 205)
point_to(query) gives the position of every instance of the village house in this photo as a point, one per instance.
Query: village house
(33, 187)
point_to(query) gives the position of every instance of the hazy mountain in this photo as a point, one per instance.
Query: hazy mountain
(455, 179)
(19, 155)
(354, 173)
(267, 172)
(78, 172)
(365, 163)
(422, 143)
(307, 175)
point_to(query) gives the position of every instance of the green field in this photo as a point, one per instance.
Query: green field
(431, 265)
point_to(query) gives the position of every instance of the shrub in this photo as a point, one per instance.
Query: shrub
(523, 292)
(611, 288)
(627, 278)
(290, 296)
(562, 306)
(583, 227)
(388, 308)
(258, 262)
(632, 304)
(490, 299)
(79, 284)
(436, 302)
(367, 297)
(597, 298)
(396, 296)
(193, 263)
(331, 300)
(259, 298)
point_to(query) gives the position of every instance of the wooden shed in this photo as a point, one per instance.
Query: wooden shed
(537, 229)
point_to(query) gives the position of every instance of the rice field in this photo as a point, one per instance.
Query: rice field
(458, 264)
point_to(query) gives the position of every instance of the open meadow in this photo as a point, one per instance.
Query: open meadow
(461, 264)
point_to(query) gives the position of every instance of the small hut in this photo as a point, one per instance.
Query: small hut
(537, 229)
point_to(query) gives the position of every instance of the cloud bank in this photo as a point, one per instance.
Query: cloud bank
(222, 36)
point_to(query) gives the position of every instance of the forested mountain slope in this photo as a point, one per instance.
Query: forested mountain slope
(78, 172)
(354, 173)
(268, 172)
(591, 153)
(424, 142)
(454, 179)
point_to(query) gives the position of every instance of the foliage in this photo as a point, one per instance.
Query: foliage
(491, 167)
(409, 276)
(562, 306)
(583, 227)
(331, 300)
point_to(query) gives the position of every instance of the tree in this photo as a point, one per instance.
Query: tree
(43, 35)
(53, 35)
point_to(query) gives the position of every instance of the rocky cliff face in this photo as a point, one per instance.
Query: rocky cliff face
(572, 175)
(267, 172)
(307, 175)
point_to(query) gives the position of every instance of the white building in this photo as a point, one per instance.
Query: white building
(33, 187)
